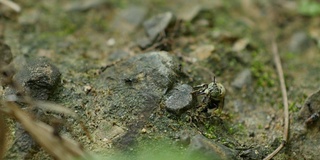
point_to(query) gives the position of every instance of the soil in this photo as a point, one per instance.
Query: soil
(226, 40)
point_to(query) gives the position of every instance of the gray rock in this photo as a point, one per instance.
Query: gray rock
(144, 42)
(137, 85)
(210, 149)
(157, 24)
(244, 78)
(310, 111)
(185, 136)
(23, 147)
(189, 11)
(179, 99)
(38, 78)
(118, 54)
(128, 19)
(299, 42)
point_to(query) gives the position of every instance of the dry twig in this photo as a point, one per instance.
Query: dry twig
(11, 4)
(58, 146)
(3, 133)
(285, 100)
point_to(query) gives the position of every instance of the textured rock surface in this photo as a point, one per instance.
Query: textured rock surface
(38, 78)
(137, 86)
(179, 99)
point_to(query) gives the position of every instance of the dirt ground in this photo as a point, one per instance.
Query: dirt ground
(228, 40)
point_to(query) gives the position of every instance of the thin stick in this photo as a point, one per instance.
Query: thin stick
(285, 101)
(11, 4)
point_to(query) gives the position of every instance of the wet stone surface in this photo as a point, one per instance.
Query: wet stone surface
(179, 99)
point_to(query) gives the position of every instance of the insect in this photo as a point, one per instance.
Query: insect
(214, 94)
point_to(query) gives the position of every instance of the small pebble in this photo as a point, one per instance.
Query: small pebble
(179, 99)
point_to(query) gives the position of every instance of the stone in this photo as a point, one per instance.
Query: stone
(244, 78)
(38, 78)
(144, 42)
(310, 111)
(136, 87)
(128, 19)
(189, 11)
(299, 42)
(180, 99)
(117, 55)
(202, 52)
(210, 149)
(23, 147)
(157, 24)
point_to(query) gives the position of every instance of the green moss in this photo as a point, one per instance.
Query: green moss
(309, 8)
(293, 107)
(262, 73)
(238, 128)
(210, 131)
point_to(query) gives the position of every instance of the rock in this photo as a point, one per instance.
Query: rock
(299, 42)
(179, 99)
(137, 85)
(117, 55)
(144, 42)
(38, 78)
(6, 55)
(202, 52)
(157, 24)
(23, 147)
(185, 136)
(310, 111)
(129, 19)
(244, 78)
(189, 11)
(210, 149)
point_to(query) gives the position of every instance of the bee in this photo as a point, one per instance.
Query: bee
(213, 95)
